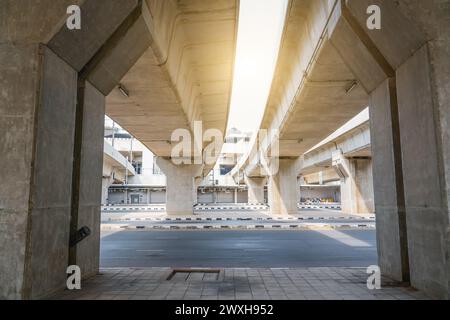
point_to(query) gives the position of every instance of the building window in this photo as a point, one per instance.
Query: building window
(137, 167)
(225, 169)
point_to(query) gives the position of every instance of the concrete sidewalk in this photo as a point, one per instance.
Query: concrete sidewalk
(235, 284)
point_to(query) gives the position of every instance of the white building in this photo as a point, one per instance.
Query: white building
(131, 175)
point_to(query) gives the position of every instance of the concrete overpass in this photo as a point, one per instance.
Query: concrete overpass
(330, 67)
(313, 94)
(172, 61)
(184, 75)
(345, 156)
(55, 83)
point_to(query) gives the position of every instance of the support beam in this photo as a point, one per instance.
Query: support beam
(282, 191)
(255, 189)
(179, 186)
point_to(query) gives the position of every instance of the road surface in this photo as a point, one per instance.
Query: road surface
(239, 249)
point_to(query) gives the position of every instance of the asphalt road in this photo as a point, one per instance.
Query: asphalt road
(239, 249)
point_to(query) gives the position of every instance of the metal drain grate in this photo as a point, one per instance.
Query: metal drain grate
(194, 275)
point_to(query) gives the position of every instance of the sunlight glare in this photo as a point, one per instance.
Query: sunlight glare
(261, 26)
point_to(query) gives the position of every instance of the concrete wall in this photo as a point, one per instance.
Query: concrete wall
(242, 196)
(207, 197)
(118, 197)
(159, 197)
(225, 197)
(321, 192)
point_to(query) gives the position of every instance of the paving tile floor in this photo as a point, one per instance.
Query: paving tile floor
(236, 284)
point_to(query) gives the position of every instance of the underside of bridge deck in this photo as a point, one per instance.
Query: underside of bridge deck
(159, 65)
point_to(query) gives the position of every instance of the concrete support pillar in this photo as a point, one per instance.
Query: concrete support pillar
(51, 136)
(86, 177)
(255, 187)
(106, 183)
(282, 189)
(411, 149)
(356, 184)
(197, 183)
(388, 182)
(180, 186)
(423, 90)
(37, 117)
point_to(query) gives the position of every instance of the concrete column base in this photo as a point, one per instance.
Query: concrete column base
(197, 182)
(106, 183)
(180, 186)
(255, 189)
(356, 184)
(282, 191)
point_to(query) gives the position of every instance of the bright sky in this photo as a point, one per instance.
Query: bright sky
(261, 25)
